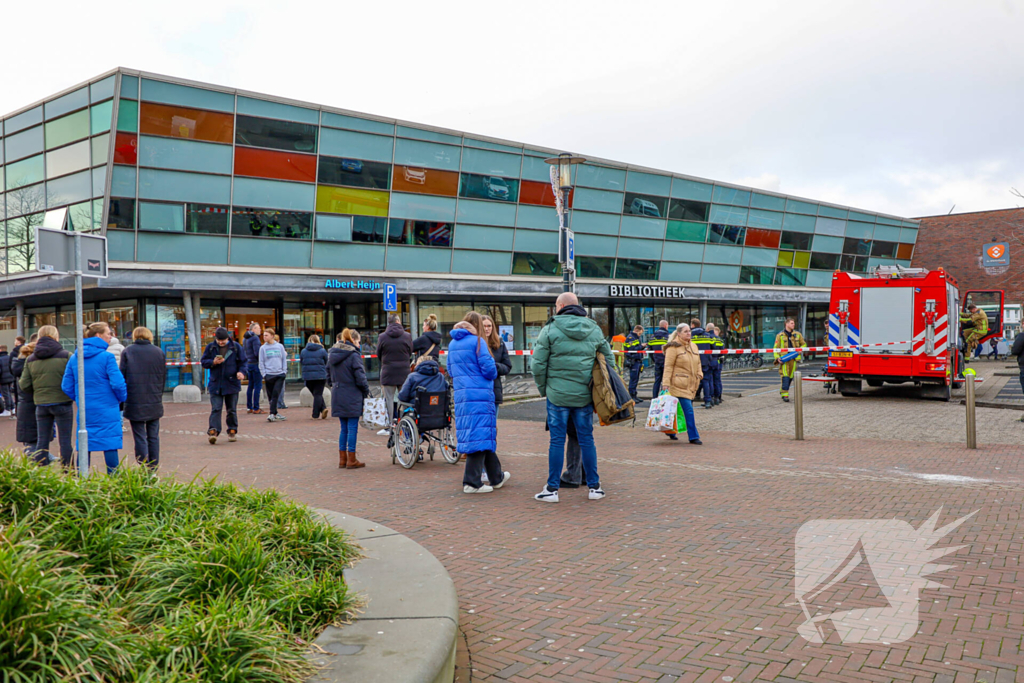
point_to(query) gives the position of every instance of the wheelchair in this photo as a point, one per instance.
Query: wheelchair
(429, 419)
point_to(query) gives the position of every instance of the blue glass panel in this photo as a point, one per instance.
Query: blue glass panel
(123, 182)
(419, 259)
(355, 123)
(594, 245)
(484, 144)
(911, 224)
(889, 221)
(648, 183)
(427, 154)
(729, 215)
(70, 102)
(536, 169)
(121, 245)
(481, 237)
(483, 262)
(130, 87)
(340, 255)
(24, 172)
(721, 253)
(726, 275)
(70, 189)
(819, 278)
(342, 143)
(184, 155)
(887, 233)
(491, 163)
(542, 218)
(635, 226)
(23, 120)
(23, 144)
(798, 223)
(253, 251)
(859, 230)
(860, 216)
(434, 136)
(183, 187)
(601, 177)
(827, 244)
(731, 195)
(276, 110)
(759, 218)
(171, 93)
(273, 194)
(161, 217)
(875, 262)
(760, 257)
(483, 213)
(102, 90)
(584, 221)
(767, 201)
(683, 251)
(796, 206)
(596, 200)
(333, 228)
(905, 264)
(908, 235)
(691, 189)
(539, 241)
(679, 272)
(423, 207)
(639, 249)
(99, 181)
(192, 249)
(830, 226)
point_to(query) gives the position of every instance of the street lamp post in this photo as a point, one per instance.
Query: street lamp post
(561, 185)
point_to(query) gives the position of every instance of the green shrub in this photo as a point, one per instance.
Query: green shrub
(135, 578)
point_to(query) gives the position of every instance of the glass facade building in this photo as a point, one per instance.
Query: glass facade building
(244, 198)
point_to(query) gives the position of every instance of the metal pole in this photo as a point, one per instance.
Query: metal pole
(83, 434)
(798, 404)
(972, 427)
(190, 332)
(568, 277)
(20, 308)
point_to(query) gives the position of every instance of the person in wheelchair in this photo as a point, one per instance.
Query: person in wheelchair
(426, 377)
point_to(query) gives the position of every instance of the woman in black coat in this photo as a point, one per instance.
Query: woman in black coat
(144, 367)
(500, 354)
(26, 431)
(348, 389)
(313, 360)
(429, 343)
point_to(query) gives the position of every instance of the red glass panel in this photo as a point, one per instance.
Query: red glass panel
(425, 181)
(760, 237)
(264, 163)
(540, 194)
(126, 149)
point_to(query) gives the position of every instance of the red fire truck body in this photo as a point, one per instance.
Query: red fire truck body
(913, 316)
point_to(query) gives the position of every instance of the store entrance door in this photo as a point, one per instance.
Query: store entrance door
(238, 319)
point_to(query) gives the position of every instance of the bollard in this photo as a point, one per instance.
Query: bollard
(972, 427)
(798, 404)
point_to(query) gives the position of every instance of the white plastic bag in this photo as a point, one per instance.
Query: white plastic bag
(661, 416)
(374, 412)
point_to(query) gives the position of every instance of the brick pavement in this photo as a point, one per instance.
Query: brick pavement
(684, 572)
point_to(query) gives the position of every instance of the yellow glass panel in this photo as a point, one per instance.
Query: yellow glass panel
(802, 259)
(350, 200)
(785, 259)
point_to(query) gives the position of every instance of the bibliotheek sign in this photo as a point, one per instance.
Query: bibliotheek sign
(645, 291)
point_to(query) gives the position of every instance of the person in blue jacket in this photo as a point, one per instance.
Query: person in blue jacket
(105, 390)
(473, 371)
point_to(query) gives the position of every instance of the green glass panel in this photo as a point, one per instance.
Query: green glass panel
(785, 259)
(100, 149)
(802, 259)
(100, 117)
(67, 129)
(687, 231)
(128, 116)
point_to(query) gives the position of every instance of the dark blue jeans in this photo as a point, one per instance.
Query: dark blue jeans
(558, 422)
(716, 379)
(62, 415)
(252, 392)
(691, 424)
(111, 459)
(349, 432)
(634, 375)
(707, 385)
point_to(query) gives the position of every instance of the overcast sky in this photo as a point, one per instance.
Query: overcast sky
(905, 107)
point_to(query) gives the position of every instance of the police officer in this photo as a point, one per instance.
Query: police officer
(715, 364)
(657, 343)
(789, 338)
(974, 321)
(704, 342)
(633, 346)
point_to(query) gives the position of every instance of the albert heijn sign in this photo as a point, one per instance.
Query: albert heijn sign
(645, 291)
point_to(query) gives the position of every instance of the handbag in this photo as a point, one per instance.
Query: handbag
(662, 414)
(412, 368)
(374, 412)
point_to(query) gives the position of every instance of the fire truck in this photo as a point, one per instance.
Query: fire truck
(911, 319)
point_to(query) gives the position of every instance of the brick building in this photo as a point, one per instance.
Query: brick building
(954, 242)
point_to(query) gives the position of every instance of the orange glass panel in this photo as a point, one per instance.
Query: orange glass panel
(126, 148)
(905, 252)
(759, 237)
(180, 122)
(540, 194)
(425, 181)
(264, 163)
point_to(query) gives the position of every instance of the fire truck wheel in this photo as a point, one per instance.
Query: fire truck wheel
(875, 382)
(849, 387)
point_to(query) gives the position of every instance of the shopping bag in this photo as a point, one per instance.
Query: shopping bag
(374, 412)
(661, 416)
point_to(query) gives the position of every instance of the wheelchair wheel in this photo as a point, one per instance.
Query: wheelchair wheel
(407, 442)
(448, 446)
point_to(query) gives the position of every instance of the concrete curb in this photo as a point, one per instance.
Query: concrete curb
(410, 625)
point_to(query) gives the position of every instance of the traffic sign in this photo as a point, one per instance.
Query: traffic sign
(570, 251)
(390, 297)
(55, 253)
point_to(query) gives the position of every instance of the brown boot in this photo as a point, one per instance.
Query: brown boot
(353, 461)
(342, 459)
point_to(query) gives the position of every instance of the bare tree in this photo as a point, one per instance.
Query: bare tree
(27, 204)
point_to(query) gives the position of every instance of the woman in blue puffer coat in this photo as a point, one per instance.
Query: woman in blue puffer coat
(472, 370)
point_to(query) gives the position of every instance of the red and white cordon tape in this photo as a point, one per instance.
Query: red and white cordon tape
(716, 352)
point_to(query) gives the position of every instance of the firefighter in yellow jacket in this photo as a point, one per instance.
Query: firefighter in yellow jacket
(789, 338)
(974, 322)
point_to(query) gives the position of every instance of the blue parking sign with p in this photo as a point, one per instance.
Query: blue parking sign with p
(390, 297)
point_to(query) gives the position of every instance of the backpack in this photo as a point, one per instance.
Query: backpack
(612, 402)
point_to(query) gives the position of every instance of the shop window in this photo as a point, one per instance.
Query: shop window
(126, 149)
(122, 214)
(122, 316)
(760, 237)
(636, 269)
(288, 135)
(271, 223)
(354, 173)
(535, 264)
(644, 205)
(590, 266)
(420, 233)
(264, 163)
(473, 186)
(425, 181)
(756, 275)
(725, 234)
(883, 249)
(688, 210)
(858, 247)
(790, 277)
(905, 251)
(821, 261)
(206, 219)
(181, 122)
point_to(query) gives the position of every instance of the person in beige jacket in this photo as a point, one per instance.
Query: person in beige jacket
(682, 376)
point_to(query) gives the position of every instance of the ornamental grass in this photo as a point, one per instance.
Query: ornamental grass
(136, 578)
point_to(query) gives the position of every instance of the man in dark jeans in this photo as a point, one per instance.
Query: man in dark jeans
(223, 358)
(42, 375)
(251, 347)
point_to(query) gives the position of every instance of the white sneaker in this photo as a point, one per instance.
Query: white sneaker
(6, 413)
(504, 480)
(483, 489)
(384, 432)
(547, 495)
(596, 494)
